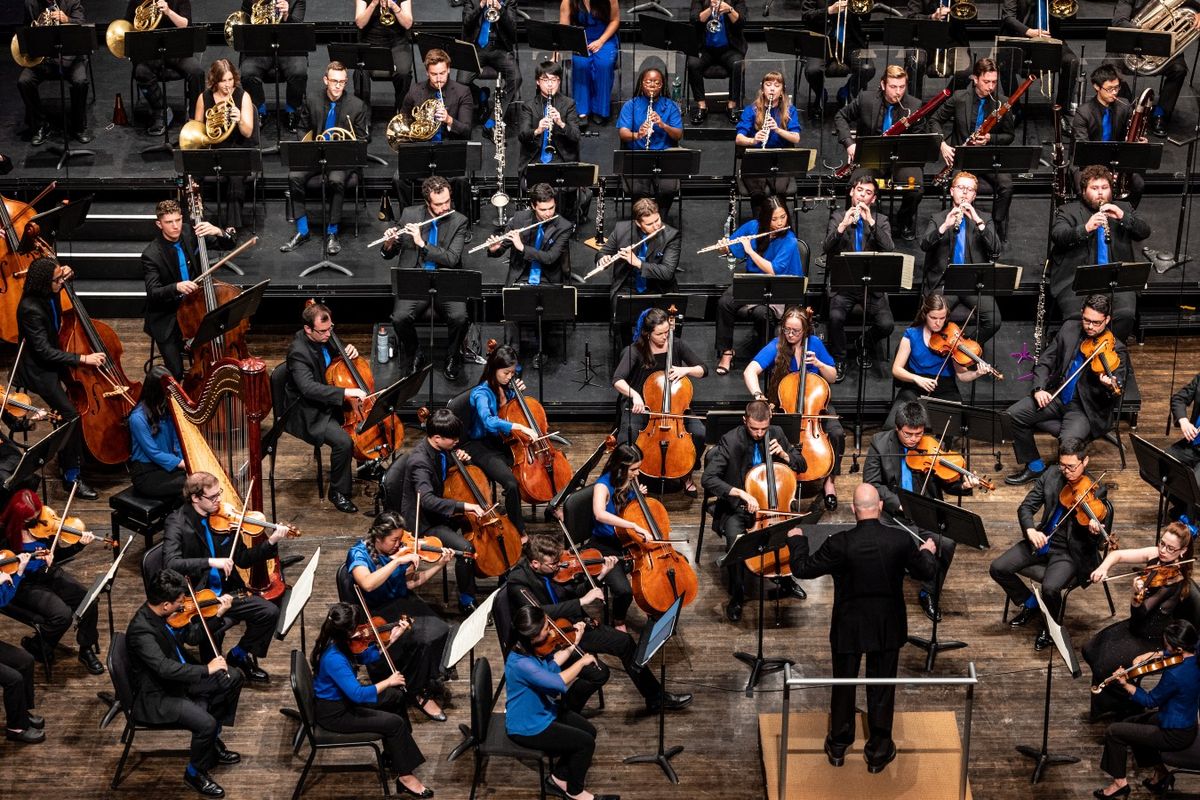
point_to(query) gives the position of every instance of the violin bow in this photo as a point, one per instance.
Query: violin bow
(1146, 569)
(533, 601)
(937, 451)
(954, 343)
(13, 373)
(575, 550)
(203, 622)
(370, 624)
(63, 519)
(1071, 377)
(241, 519)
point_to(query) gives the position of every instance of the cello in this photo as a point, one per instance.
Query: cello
(660, 572)
(667, 448)
(541, 469)
(808, 394)
(773, 485)
(13, 264)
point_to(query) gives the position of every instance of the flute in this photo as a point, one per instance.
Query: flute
(400, 229)
(728, 242)
(491, 240)
(607, 261)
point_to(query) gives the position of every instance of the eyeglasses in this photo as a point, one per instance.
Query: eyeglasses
(1168, 549)
(332, 82)
(549, 79)
(793, 332)
(212, 498)
(1111, 89)
(1070, 467)
(323, 331)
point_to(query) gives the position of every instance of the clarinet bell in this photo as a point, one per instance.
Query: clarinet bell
(119, 116)
(385, 209)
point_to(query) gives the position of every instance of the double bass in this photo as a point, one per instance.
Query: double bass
(14, 224)
(806, 393)
(668, 452)
(540, 468)
(660, 573)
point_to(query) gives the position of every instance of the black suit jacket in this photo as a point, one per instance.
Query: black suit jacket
(185, 549)
(316, 109)
(556, 236)
(1088, 124)
(863, 116)
(160, 268)
(1018, 16)
(504, 30)
(1073, 246)
(982, 247)
(422, 475)
(296, 10)
(1187, 396)
(458, 102)
(955, 118)
(160, 680)
(658, 267)
(875, 238)
(868, 564)
(565, 140)
(883, 471)
(815, 15)
(923, 9)
(1055, 365)
(521, 578)
(446, 254)
(1082, 546)
(726, 465)
(735, 31)
(316, 401)
(44, 362)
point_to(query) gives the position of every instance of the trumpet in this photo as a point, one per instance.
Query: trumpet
(604, 262)
(714, 20)
(724, 243)
(500, 237)
(386, 15)
(399, 231)
(492, 13)
(47, 17)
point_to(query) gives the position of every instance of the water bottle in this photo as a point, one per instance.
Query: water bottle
(381, 345)
(677, 88)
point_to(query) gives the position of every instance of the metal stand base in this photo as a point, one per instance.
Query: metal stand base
(932, 647)
(662, 759)
(1043, 759)
(326, 264)
(587, 371)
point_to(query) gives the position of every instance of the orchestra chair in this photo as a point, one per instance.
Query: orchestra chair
(354, 178)
(578, 519)
(119, 671)
(487, 728)
(320, 739)
(279, 414)
(35, 621)
(714, 72)
(145, 516)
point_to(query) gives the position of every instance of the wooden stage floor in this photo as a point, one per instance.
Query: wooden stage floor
(719, 731)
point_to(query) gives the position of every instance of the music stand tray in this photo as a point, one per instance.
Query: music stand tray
(754, 288)
(447, 284)
(227, 316)
(980, 424)
(668, 34)
(770, 162)
(463, 55)
(388, 400)
(563, 175)
(1119, 156)
(219, 161)
(174, 43)
(994, 280)
(317, 156)
(798, 43)
(909, 150)
(1037, 55)
(57, 223)
(1137, 42)
(284, 39)
(1108, 278)
(1009, 159)
(452, 159)
(552, 37)
(362, 56)
(673, 162)
(39, 454)
(1159, 468)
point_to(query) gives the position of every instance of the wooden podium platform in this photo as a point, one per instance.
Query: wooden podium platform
(926, 767)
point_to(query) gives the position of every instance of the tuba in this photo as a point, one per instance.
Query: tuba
(420, 128)
(145, 18)
(1164, 16)
(47, 17)
(216, 128)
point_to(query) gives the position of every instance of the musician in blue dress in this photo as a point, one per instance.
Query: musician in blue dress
(592, 76)
(649, 121)
(770, 121)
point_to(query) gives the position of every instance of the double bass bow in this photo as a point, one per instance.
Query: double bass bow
(668, 451)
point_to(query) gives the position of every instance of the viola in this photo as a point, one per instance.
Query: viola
(46, 526)
(431, 547)
(363, 637)
(950, 341)
(19, 405)
(566, 636)
(207, 603)
(949, 465)
(1101, 351)
(254, 523)
(540, 468)
(668, 452)
(15, 223)
(571, 566)
(773, 485)
(806, 393)
(660, 572)
(1149, 667)
(10, 562)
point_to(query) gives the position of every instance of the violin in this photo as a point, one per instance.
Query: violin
(563, 635)
(1078, 497)
(13, 264)
(46, 525)
(1149, 667)
(668, 452)
(207, 603)
(363, 637)
(431, 547)
(541, 469)
(950, 341)
(19, 404)
(10, 562)
(949, 465)
(773, 485)
(660, 574)
(806, 393)
(1156, 577)
(571, 566)
(254, 523)
(1101, 351)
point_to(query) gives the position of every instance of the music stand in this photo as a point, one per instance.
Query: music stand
(218, 161)
(886, 154)
(366, 59)
(629, 307)
(1119, 156)
(38, 454)
(1167, 474)
(463, 639)
(103, 583)
(562, 176)
(996, 280)
(463, 55)
(322, 156)
(752, 544)
(667, 34)
(1062, 644)
(759, 289)
(280, 39)
(388, 400)
(1110, 279)
(673, 163)
(801, 45)
(552, 37)
(921, 33)
(971, 422)
(291, 609)
(546, 302)
(227, 316)
(652, 641)
(159, 45)
(962, 526)
(454, 159)
(1137, 42)
(996, 160)
(771, 162)
(865, 272)
(437, 286)
(55, 42)
(57, 223)
(580, 477)
(1037, 56)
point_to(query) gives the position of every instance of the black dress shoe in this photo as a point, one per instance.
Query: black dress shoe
(156, 128)
(84, 135)
(671, 702)
(877, 766)
(293, 122)
(698, 115)
(203, 784)
(249, 665)
(931, 611)
(27, 736)
(82, 490)
(1041, 642)
(332, 246)
(225, 756)
(1025, 615)
(836, 755)
(450, 371)
(841, 372)
(1122, 792)
(342, 503)
(831, 502)
(907, 233)
(733, 611)
(1021, 477)
(418, 363)
(596, 119)
(1154, 787)
(1160, 128)
(91, 662)
(36, 722)
(790, 587)
(40, 136)
(420, 706)
(734, 115)
(401, 789)
(552, 788)
(294, 242)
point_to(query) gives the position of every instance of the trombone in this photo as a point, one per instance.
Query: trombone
(845, 9)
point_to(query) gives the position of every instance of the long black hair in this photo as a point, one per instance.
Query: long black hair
(1181, 635)
(527, 623)
(154, 398)
(502, 357)
(40, 277)
(651, 320)
(766, 210)
(619, 461)
(336, 629)
(382, 528)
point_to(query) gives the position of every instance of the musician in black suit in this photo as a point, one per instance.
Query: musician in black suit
(1083, 404)
(456, 109)
(860, 228)
(1095, 229)
(726, 45)
(867, 563)
(257, 69)
(396, 36)
(149, 74)
(1173, 73)
(1104, 117)
(547, 135)
(170, 265)
(649, 268)
(846, 37)
(1072, 549)
(171, 688)
(960, 42)
(317, 416)
(872, 113)
(725, 468)
(964, 236)
(194, 549)
(539, 254)
(422, 241)
(74, 68)
(495, 43)
(1187, 449)
(423, 475)
(1032, 19)
(43, 367)
(961, 115)
(330, 107)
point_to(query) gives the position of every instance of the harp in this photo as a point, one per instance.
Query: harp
(220, 432)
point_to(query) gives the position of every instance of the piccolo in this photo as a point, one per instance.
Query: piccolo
(728, 242)
(401, 228)
(491, 240)
(607, 261)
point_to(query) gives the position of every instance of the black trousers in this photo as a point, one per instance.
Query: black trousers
(1011, 73)
(736, 572)
(211, 703)
(77, 87)
(505, 63)
(837, 437)
(16, 679)
(945, 556)
(150, 74)
(335, 193)
(496, 463)
(591, 679)
(878, 314)
(571, 740)
(729, 311)
(387, 717)
(417, 654)
(881, 703)
(258, 69)
(1173, 76)
(910, 199)
(1189, 454)
(1147, 741)
(1060, 572)
(260, 616)
(341, 453)
(1000, 186)
(947, 389)
(453, 313)
(401, 80)
(1026, 415)
(728, 58)
(620, 590)
(662, 190)
(464, 569)
(54, 597)
(170, 349)
(860, 71)
(151, 480)
(1124, 310)
(604, 639)
(71, 454)
(987, 314)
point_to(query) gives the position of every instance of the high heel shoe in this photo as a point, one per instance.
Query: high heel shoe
(1160, 787)
(1122, 792)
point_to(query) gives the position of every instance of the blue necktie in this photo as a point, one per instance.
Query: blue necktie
(1101, 246)
(485, 31)
(758, 457)
(54, 311)
(906, 481)
(1068, 392)
(858, 235)
(1106, 126)
(887, 118)
(325, 355)
(979, 114)
(214, 574)
(960, 245)
(432, 240)
(443, 455)
(639, 283)
(550, 589)
(178, 652)
(535, 269)
(1050, 526)
(183, 270)
(331, 117)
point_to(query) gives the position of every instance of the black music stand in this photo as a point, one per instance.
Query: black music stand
(994, 280)
(281, 39)
(563, 176)
(910, 33)
(103, 584)
(449, 159)
(1062, 645)
(38, 454)
(464, 57)
(1037, 56)
(162, 44)
(865, 272)
(462, 640)
(218, 161)
(366, 59)
(752, 288)
(545, 302)
(57, 223)
(653, 638)
(667, 34)
(889, 153)
(771, 162)
(322, 156)
(945, 519)
(552, 37)
(1119, 156)
(753, 544)
(580, 477)
(1110, 278)
(291, 610)
(992, 159)
(1137, 42)
(437, 286)
(801, 45)
(970, 422)
(1168, 475)
(389, 400)
(672, 163)
(227, 316)
(54, 42)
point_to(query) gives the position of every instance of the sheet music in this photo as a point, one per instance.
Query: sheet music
(302, 587)
(100, 583)
(470, 632)
(907, 269)
(1020, 270)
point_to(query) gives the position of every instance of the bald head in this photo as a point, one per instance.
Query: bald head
(867, 504)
